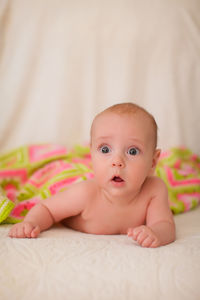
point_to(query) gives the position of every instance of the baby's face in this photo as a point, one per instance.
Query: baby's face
(122, 149)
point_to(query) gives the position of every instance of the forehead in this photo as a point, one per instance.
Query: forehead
(111, 124)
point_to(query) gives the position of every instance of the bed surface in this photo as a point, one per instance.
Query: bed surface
(65, 264)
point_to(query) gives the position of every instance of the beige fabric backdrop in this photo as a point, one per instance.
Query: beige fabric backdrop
(62, 61)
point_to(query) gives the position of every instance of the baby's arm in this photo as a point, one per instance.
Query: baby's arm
(52, 210)
(37, 220)
(160, 228)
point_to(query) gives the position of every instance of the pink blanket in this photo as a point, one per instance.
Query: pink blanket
(34, 172)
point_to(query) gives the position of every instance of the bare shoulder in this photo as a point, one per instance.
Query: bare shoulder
(156, 186)
(71, 201)
(81, 191)
(86, 187)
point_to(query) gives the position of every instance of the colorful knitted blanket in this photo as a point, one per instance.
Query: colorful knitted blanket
(31, 173)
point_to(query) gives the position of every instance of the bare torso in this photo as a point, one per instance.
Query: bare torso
(102, 217)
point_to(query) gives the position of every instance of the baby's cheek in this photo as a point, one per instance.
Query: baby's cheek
(100, 176)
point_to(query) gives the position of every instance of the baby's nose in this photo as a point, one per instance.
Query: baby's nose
(118, 162)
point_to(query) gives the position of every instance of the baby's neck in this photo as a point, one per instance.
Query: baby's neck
(120, 201)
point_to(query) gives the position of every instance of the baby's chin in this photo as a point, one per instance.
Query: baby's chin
(117, 192)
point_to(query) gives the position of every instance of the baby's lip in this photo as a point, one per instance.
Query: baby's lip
(117, 178)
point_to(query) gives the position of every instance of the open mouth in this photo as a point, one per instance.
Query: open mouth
(117, 179)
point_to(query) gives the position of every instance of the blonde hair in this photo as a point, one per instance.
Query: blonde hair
(129, 108)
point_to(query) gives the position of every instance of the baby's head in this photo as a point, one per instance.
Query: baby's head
(123, 148)
(133, 113)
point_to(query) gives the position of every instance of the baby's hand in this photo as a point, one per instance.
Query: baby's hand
(24, 230)
(144, 236)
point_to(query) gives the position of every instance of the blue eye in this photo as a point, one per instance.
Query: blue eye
(104, 149)
(133, 151)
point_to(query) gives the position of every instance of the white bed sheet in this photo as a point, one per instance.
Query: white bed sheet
(65, 264)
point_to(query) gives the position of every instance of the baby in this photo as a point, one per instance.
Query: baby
(124, 197)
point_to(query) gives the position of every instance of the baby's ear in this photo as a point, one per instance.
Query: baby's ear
(155, 158)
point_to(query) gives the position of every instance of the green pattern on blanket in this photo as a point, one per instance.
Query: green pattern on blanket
(31, 173)
(34, 172)
(180, 170)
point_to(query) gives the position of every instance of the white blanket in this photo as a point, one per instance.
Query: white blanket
(65, 264)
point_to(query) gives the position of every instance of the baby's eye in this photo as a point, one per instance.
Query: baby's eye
(104, 149)
(133, 151)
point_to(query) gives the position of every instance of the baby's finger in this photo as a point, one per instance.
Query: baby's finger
(12, 232)
(141, 237)
(27, 230)
(35, 232)
(130, 232)
(147, 242)
(20, 232)
(155, 243)
(136, 233)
